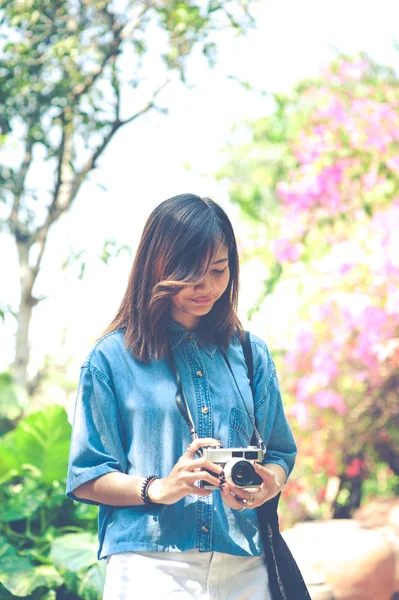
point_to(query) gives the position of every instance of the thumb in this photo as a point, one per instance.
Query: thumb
(265, 473)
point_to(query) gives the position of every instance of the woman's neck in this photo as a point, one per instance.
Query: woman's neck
(189, 322)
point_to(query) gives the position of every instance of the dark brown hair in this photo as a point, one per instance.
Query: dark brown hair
(177, 245)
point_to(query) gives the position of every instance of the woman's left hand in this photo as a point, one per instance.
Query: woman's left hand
(233, 496)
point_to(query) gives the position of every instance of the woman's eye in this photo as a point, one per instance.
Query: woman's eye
(217, 272)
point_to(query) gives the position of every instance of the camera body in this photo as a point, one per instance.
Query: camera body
(237, 465)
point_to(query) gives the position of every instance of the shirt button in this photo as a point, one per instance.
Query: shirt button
(199, 373)
(205, 409)
(189, 337)
(205, 529)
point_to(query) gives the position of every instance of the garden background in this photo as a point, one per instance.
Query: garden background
(285, 113)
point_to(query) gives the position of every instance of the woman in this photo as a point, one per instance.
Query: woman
(170, 524)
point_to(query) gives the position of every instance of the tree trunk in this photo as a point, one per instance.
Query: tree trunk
(22, 349)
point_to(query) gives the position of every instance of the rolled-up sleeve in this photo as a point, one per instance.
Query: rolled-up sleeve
(269, 410)
(96, 442)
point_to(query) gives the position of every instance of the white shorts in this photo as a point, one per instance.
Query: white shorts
(185, 576)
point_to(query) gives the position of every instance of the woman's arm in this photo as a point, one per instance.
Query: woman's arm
(120, 489)
(113, 489)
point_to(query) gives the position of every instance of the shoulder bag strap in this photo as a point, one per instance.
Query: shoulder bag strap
(247, 349)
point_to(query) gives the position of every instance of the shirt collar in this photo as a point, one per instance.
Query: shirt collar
(178, 334)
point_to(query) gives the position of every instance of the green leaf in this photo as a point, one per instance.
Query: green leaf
(9, 466)
(75, 556)
(19, 576)
(5, 594)
(92, 583)
(41, 440)
(75, 551)
(24, 502)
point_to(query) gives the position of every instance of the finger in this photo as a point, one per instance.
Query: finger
(198, 491)
(229, 499)
(242, 492)
(267, 475)
(203, 463)
(195, 445)
(238, 491)
(250, 495)
(203, 476)
(269, 478)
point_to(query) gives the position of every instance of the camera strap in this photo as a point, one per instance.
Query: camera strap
(181, 399)
(183, 405)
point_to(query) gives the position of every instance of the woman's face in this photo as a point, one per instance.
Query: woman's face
(195, 301)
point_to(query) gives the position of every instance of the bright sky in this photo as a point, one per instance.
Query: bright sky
(145, 163)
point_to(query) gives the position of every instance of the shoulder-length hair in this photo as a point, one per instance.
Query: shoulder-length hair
(178, 243)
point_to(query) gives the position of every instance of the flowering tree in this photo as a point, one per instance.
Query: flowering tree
(335, 234)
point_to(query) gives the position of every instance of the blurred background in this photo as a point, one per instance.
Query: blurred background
(285, 113)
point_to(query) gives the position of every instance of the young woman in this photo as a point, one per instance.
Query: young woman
(177, 335)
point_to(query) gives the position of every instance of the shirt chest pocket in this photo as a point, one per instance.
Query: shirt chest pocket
(240, 428)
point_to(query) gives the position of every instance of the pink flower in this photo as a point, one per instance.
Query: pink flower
(353, 69)
(285, 251)
(300, 412)
(329, 399)
(393, 164)
(323, 361)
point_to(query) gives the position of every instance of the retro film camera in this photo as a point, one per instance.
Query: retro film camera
(237, 465)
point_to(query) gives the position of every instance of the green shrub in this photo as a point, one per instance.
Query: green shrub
(48, 544)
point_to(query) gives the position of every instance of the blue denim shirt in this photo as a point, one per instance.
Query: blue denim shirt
(126, 419)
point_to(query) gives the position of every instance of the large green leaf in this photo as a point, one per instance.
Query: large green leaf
(24, 502)
(20, 577)
(5, 594)
(9, 465)
(75, 556)
(74, 551)
(40, 440)
(91, 586)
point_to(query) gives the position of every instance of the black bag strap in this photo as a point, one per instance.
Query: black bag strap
(285, 579)
(249, 359)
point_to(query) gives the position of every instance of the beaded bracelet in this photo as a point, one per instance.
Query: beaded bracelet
(144, 489)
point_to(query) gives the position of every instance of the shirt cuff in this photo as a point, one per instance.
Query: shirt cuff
(88, 475)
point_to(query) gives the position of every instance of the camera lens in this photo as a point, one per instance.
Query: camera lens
(242, 473)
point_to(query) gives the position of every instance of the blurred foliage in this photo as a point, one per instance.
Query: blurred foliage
(73, 72)
(48, 544)
(12, 402)
(318, 181)
(63, 75)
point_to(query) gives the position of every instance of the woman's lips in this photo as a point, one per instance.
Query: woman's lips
(203, 300)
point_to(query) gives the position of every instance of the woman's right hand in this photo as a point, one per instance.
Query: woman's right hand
(182, 479)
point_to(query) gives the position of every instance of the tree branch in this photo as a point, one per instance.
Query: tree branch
(148, 106)
(120, 33)
(13, 221)
(134, 24)
(57, 208)
(83, 87)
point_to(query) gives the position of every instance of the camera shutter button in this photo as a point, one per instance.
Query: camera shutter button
(205, 410)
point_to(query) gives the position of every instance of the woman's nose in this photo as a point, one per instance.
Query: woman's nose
(205, 285)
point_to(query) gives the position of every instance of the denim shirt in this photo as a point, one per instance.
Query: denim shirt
(126, 419)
